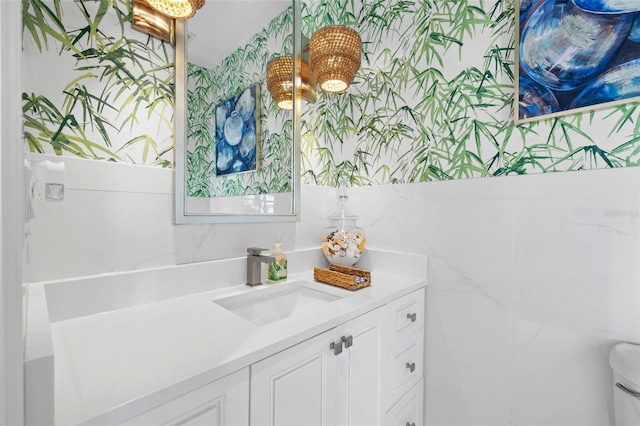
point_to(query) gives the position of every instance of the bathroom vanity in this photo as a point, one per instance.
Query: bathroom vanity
(298, 352)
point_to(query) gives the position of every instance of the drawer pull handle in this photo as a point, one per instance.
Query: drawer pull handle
(411, 424)
(348, 341)
(411, 367)
(336, 347)
(633, 393)
(412, 317)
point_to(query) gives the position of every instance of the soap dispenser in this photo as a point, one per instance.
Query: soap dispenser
(277, 271)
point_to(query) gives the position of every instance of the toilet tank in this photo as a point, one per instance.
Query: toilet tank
(625, 362)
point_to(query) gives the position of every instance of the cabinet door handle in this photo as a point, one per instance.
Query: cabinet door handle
(413, 317)
(348, 341)
(336, 347)
(411, 424)
(411, 367)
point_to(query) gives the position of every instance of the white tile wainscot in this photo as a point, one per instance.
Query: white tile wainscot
(126, 345)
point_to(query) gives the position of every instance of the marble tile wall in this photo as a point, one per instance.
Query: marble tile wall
(117, 217)
(532, 278)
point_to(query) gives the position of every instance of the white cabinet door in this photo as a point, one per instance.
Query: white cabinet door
(359, 373)
(296, 387)
(224, 402)
(313, 384)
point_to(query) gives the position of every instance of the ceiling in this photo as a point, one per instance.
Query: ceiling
(221, 26)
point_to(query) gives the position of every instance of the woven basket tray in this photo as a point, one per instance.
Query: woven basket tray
(343, 276)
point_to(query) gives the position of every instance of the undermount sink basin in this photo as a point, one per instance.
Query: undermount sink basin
(269, 304)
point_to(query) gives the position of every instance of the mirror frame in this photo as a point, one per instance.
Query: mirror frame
(180, 129)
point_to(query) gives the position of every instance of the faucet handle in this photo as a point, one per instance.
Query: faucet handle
(255, 251)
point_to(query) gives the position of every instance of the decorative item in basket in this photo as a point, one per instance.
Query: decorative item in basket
(343, 276)
(343, 241)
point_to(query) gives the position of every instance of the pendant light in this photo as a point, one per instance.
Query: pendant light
(335, 57)
(178, 9)
(280, 81)
(148, 20)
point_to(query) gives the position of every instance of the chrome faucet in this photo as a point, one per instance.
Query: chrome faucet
(254, 258)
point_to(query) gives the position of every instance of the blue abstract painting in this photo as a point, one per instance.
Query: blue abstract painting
(237, 133)
(576, 54)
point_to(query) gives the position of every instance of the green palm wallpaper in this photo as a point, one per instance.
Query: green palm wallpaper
(206, 88)
(93, 87)
(432, 100)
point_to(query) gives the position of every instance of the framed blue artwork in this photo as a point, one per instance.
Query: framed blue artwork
(237, 135)
(575, 55)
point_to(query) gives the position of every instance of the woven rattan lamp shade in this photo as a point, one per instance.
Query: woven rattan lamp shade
(334, 55)
(280, 81)
(198, 3)
(178, 9)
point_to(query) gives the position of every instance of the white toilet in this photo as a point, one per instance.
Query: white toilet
(625, 361)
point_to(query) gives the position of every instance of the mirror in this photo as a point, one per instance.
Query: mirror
(236, 153)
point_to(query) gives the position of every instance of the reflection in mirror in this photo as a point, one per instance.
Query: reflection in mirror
(146, 19)
(237, 153)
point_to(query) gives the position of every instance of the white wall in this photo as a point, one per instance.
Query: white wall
(532, 280)
(11, 217)
(117, 217)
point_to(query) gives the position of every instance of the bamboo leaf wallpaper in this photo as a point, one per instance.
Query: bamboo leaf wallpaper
(206, 88)
(93, 87)
(432, 100)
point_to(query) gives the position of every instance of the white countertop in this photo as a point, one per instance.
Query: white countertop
(112, 365)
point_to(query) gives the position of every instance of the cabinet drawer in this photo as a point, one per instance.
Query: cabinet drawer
(406, 314)
(406, 358)
(408, 411)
